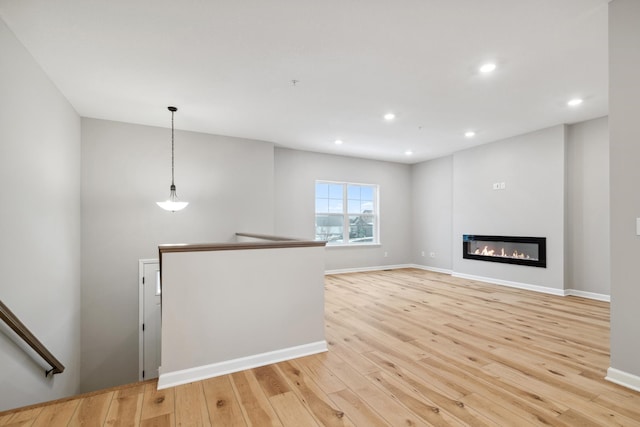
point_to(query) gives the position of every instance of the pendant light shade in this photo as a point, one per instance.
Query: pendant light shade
(172, 203)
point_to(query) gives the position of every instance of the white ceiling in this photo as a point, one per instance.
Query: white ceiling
(228, 67)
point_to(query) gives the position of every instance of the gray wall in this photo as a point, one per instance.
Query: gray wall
(39, 225)
(232, 317)
(126, 168)
(454, 196)
(295, 176)
(532, 166)
(432, 197)
(587, 225)
(586, 200)
(624, 68)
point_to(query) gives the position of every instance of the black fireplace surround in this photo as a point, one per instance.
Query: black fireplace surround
(531, 251)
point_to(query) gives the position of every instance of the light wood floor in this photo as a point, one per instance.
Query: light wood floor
(406, 348)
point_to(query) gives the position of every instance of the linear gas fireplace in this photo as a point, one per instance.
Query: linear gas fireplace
(530, 251)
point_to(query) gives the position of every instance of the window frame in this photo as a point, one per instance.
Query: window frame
(345, 214)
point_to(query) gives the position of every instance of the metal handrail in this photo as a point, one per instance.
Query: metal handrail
(23, 332)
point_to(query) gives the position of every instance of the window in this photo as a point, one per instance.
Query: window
(346, 213)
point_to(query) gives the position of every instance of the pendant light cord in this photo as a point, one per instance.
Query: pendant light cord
(172, 204)
(172, 152)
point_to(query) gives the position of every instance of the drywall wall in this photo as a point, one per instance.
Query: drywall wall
(126, 168)
(295, 176)
(587, 225)
(432, 213)
(532, 166)
(586, 201)
(219, 316)
(624, 152)
(40, 227)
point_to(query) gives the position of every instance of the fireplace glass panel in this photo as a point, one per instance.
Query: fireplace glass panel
(531, 251)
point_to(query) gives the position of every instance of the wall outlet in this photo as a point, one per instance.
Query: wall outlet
(422, 253)
(432, 254)
(499, 185)
(386, 254)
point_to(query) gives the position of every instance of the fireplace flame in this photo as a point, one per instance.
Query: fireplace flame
(486, 251)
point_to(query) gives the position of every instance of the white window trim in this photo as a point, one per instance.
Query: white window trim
(345, 213)
(354, 245)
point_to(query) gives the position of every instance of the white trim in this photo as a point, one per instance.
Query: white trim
(171, 379)
(624, 379)
(589, 295)
(353, 245)
(345, 212)
(434, 269)
(363, 269)
(141, 264)
(519, 285)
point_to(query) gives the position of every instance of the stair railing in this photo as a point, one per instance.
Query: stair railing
(23, 332)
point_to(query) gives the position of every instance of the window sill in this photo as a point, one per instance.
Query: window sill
(356, 245)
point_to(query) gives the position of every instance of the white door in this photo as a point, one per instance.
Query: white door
(150, 319)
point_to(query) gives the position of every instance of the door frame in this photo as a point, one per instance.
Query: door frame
(141, 265)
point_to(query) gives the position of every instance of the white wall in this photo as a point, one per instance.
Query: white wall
(295, 176)
(126, 168)
(432, 197)
(39, 225)
(587, 255)
(624, 69)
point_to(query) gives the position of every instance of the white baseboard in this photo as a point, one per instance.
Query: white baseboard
(171, 379)
(624, 379)
(434, 269)
(511, 284)
(363, 269)
(589, 295)
(519, 285)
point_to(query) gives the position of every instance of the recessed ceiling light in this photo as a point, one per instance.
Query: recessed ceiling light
(338, 142)
(389, 116)
(408, 153)
(574, 102)
(470, 134)
(488, 67)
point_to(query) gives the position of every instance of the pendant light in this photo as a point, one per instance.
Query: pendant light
(172, 204)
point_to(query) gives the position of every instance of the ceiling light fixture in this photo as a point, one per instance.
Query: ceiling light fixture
(172, 204)
(470, 134)
(389, 116)
(574, 102)
(338, 142)
(488, 67)
(408, 153)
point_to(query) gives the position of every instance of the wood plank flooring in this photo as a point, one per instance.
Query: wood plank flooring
(406, 348)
